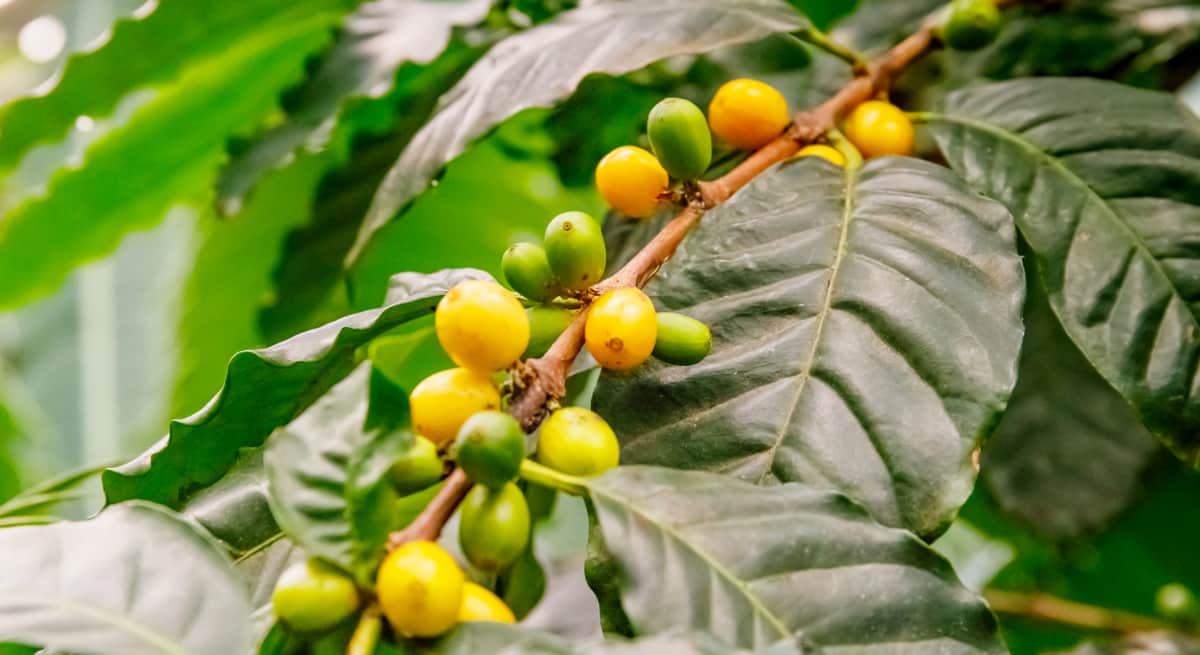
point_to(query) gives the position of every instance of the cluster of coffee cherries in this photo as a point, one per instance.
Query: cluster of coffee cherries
(622, 328)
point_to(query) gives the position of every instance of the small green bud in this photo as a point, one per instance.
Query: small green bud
(1176, 602)
(490, 447)
(680, 138)
(527, 271)
(545, 324)
(416, 469)
(972, 24)
(575, 250)
(681, 339)
(494, 527)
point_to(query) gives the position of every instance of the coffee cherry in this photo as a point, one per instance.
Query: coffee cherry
(679, 136)
(527, 271)
(577, 441)
(420, 589)
(748, 114)
(416, 469)
(482, 326)
(575, 249)
(479, 604)
(545, 324)
(681, 339)
(312, 596)
(823, 151)
(879, 128)
(621, 329)
(494, 527)
(442, 402)
(1176, 602)
(631, 179)
(972, 24)
(490, 448)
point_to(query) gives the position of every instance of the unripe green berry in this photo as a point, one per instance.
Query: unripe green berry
(312, 596)
(545, 324)
(1176, 602)
(972, 24)
(527, 271)
(575, 249)
(490, 448)
(680, 138)
(416, 469)
(681, 339)
(494, 527)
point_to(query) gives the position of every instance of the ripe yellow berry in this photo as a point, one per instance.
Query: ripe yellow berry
(420, 589)
(482, 326)
(879, 128)
(630, 179)
(479, 604)
(747, 113)
(825, 152)
(577, 441)
(442, 402)
(621, 329)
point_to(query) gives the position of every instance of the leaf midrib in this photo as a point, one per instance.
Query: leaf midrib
(118, 621)
(759, 608)
(850, 177)
(1070, 175)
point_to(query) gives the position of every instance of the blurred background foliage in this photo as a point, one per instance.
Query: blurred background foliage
(201, 197)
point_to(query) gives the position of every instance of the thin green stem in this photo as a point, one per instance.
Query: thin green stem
(366, 634)
(1052, 609)
(545, 476)
(819, 39)
(920, 116)
(854, 160)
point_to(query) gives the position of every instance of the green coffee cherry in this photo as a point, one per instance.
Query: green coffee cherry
(545, 324)
(490, 448)
(494, 529)
(527, 271)
(681, 339)
(680, 138)
(972, 24)
(416, 469)
(312, 596)
(1176, 602)
(575, 250)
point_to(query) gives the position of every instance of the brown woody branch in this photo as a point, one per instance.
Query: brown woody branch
(1052, 609)
(543, 380)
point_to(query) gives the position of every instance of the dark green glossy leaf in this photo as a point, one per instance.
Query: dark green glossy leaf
(117, 585)
(375, 41)
(265, 389)
(501, 639)
(132, 175)
(753, 565)
(327, 474)
(1069, 453)
(1104, 181)
(544, 64)
(866, 327)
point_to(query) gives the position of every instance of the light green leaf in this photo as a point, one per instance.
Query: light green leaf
(134, 580)
(543, 65)
(1104, 182)
(866, 325)
(753, 565)
(265, 389)
(134, 173)
(501, 639)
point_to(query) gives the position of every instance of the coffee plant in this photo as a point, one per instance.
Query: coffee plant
(626, 327)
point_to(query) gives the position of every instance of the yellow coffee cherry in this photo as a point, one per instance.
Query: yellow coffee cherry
(630, 179)
(482, 326)
(879, 128)
(577, 441)
(479, 604)
(747, 113)
(825, 152)
(420, 589)
(621, 329)
(442, 402)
